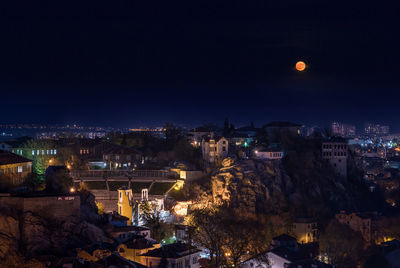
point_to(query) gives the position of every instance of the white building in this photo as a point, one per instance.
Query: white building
(214, 148)
(271, 154)
(335, 151)
(285, 253)
(178, 255)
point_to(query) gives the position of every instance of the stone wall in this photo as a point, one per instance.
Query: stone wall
(60, 207)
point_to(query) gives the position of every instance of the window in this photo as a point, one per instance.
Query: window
(19, 169)
(55, 151)
(38, 152)
(224, 149)
(33, 152)
(194, 260)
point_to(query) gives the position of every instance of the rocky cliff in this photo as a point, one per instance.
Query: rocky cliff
(307, 188)
(30, 234)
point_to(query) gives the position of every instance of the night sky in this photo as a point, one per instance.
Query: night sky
(132, 63)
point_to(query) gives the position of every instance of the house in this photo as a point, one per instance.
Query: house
(240, 139)
(122, 233)
(4, 146)
(270, 154)
(134, 247)
(361, 222)
(196, 135)
(177, 255)
(335, 151)
(214, 148)
(14, 168)
(121, 157)
(286, 252)
(182, 233)
(305, 230)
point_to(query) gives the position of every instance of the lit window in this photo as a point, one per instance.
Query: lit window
(51, 151)
(47, 151)
(55, 151)
(42, 152)
(33, 152)
(38, 152)
(19, 169)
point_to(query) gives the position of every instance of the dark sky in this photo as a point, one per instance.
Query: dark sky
(130, 63)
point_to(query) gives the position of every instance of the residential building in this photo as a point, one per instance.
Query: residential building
(343, 130)
(177, 255)
(360, 222)
(305, 230)
(286, 252)
(214, 148)
(14, 168)
(376, 129)
(196, 135)
(4, 146)
(135, 246)
(270, 154)
(335, 151)
(122, 233)
(122, 158)
(239, 139)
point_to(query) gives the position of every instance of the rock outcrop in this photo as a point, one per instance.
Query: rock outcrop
(257, 186)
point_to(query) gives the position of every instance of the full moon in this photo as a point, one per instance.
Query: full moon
(300, 66)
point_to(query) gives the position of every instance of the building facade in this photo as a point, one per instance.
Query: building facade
(335, 151)
(305, 230)
(214, 148)
(14, 168)
(343, 130)
(269, 154)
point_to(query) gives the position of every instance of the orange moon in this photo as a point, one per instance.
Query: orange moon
(300, 66)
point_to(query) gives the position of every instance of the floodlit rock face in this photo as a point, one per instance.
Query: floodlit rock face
(256, 186)
(9, 235)
(32, 234)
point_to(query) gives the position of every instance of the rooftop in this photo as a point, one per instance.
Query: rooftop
(284, 237)
(7, 158)
(290, 255)
(172, 251)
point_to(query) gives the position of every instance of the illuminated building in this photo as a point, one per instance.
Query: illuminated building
(376, 129)
(271, 154)
(177, 255)
(14, 168)
(214, 148)
(343, 130)
(305, 230)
